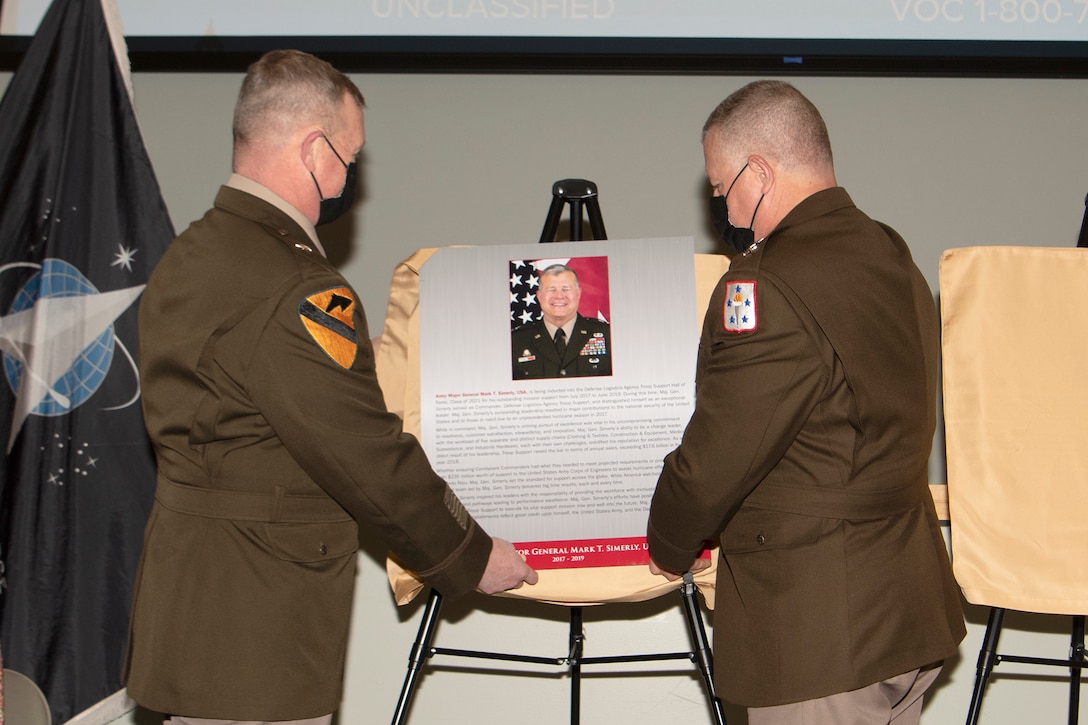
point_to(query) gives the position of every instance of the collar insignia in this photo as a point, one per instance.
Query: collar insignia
(752, 249)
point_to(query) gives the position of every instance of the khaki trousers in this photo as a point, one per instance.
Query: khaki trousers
(896, 701)
(179, 720)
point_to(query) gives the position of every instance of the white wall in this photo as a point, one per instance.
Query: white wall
(470, 159)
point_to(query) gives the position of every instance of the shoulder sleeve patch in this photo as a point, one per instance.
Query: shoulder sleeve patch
(328, 317)
(739, 310)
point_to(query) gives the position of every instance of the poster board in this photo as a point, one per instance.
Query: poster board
(399, 358)
(561, 462)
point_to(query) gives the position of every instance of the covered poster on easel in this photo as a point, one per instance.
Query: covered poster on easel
(556, 444)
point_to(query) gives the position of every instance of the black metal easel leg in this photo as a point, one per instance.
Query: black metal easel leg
(1076, 659)
(421, 650)
(580, 194)
(1082, 238)
(700, 646)
(574, 660)
(987, 658)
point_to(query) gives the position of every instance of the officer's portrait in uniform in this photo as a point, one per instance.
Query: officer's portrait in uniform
(559, 323)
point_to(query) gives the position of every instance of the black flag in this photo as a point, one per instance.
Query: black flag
(82, 223)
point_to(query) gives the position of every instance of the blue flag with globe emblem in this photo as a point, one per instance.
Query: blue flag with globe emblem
(82, 223)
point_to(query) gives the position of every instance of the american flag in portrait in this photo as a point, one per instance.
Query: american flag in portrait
(524, 281)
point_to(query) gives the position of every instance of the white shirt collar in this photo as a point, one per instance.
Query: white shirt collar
(568, 329)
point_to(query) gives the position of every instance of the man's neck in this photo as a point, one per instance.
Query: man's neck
(259, 190)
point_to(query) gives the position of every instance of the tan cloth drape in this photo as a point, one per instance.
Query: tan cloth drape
(1015, 350)
(398, 372)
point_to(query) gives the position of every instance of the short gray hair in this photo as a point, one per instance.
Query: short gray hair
(287, 88)
(774, 119)
(559, 269)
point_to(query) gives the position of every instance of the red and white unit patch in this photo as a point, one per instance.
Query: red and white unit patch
(739, 310)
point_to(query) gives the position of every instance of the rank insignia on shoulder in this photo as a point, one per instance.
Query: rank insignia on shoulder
(328, 317)
(739, 310)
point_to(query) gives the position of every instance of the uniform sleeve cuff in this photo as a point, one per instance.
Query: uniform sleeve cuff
(667, 555)
(460, 572)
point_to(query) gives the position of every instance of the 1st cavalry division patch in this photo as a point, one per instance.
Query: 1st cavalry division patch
(327, 316)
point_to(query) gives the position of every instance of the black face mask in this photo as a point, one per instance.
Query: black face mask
(335, 207)
(736, 239)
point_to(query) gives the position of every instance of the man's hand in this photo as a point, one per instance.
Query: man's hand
(506, 569)
(697, 565)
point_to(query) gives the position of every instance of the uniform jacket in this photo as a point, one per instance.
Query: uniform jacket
(588, 352)
(273, 443)
(807, 456)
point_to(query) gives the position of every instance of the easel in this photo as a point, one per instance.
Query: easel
(1082, 238)
(579, 194)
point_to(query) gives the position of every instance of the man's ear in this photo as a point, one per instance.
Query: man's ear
(764, 170)
(306, 149)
